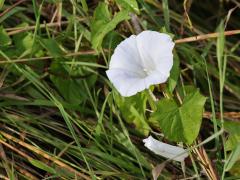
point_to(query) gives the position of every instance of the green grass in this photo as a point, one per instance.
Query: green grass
(60, 117)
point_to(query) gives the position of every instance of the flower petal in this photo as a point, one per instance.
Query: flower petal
(126, 56)
(141, 61)
(127, 83)
(165, 150)
(155, 77)
(155, 50)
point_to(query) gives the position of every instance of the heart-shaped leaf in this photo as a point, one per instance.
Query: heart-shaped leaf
(180, 123)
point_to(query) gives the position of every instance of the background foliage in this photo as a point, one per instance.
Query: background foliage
(61, 117)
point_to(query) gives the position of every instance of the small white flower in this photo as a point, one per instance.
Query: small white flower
(141, 61)
(165, 150)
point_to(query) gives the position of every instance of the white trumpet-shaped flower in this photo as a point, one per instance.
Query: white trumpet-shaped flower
(165, 150)
(141, 61)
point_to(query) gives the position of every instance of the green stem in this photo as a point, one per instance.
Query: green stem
(152, 100)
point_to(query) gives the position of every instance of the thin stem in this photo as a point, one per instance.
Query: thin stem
(152, 100)
(79, 53)
(206, 36)
(12, 7)
(213, 115)
(16, 30)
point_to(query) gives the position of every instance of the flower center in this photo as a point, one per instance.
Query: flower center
(147, 71)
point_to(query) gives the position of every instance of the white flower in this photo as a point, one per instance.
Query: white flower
(165, 150)
(141, 61)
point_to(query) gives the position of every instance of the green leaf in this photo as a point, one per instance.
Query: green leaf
(70, 81)
(102, 12)
(220, 45)
(130, 5)
(111, 40)
(180, 123)
(86, 33)
(1, 3)
(125, 141)
(4, 38)
(166, 14)
(133, 110)
(102, 23)
(25, 45)
(51, 46)
(84, 5)
(174, 74)
(42, 166)
(235, 170)
(233, 128)
(69, 89)
(33, 92)
(233, 158)
(24, 42)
